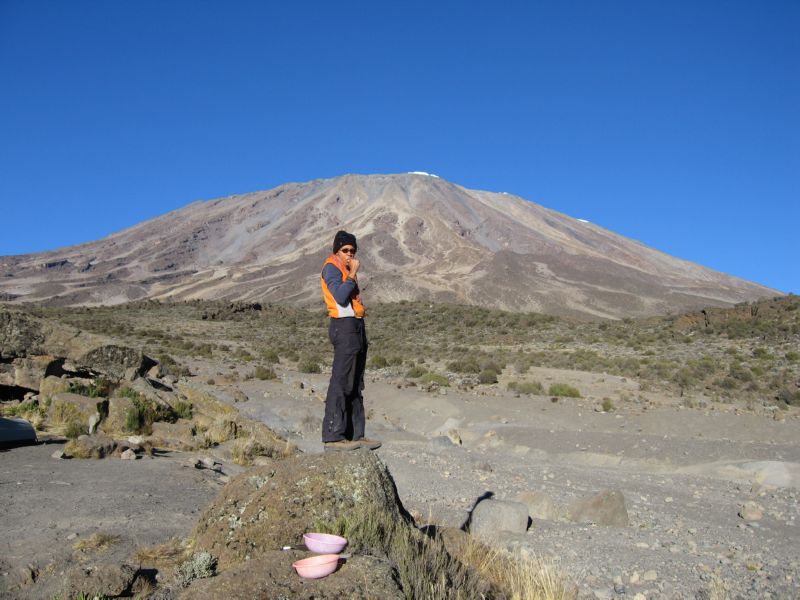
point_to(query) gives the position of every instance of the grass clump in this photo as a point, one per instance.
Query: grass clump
(487, 376)
(435, 379)
(416, 371)
(264, 373)
(309, 365)
(517, 575)
(563, 389)
(531, 388)
(144, 412)
(98, 542)
(99, 388)
(245, 451)
(607, 405)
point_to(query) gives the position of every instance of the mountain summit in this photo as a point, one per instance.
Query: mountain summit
(420, 238)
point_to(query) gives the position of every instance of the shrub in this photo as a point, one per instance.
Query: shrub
(378, 362)
(527, 387)
(607, 405)
(200, 566)
(74, 429)
(464, 366)
(416, 371)
(487, 377)
(270, 356)
(94, 389)
(436, 379)
(309, 365)
(792, 356)
(264, 373)
(563, 389)
(182, 409)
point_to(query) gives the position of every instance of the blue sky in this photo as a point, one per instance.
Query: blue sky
(674, 123)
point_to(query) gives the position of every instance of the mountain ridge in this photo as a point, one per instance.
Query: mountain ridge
(420, 238)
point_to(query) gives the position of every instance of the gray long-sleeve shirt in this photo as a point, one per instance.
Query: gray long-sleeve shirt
(342, 291)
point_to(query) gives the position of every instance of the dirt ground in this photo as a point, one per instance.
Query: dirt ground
(685, 474)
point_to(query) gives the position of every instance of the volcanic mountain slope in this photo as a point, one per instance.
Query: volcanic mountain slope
(420, 238)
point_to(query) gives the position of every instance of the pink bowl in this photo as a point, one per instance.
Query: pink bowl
(324, 543)
(316, 567)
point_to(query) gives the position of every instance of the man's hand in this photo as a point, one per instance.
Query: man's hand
(353, 265)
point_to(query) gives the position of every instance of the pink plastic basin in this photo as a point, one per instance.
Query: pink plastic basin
(324, 543)
(316, 566)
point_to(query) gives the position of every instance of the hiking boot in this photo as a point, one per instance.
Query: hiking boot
(342, 445)
(365, 442)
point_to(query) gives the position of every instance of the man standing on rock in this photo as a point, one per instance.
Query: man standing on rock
(343, 426)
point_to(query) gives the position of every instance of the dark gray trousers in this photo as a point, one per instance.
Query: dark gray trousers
(344, 404)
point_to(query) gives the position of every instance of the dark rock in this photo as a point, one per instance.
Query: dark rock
(112, 580)
(20, 335)
(118, 362)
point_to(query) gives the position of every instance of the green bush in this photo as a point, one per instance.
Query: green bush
(435, 378)
(416, 371)
(464, 366)
(563, 389)
(99, 388)
(608, 405)
(270, 356)
(309, 365)
(182, 409)
(378, 362)
(527, 387)
(264, 373)
(487, 376)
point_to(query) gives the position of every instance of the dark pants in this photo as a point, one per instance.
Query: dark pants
(344, 404)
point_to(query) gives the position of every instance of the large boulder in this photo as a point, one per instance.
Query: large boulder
(115, 361)
(28, 372)
(67, 409)
(605, 508)
(272, 506)
(540, 505)
(20, 335)
(116, 421)
(491, 516)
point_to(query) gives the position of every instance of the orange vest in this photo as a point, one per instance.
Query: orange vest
(354, 308)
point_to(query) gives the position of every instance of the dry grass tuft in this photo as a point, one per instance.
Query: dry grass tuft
(244, 451)
(98, 542)
(169, 554)
(517, 575)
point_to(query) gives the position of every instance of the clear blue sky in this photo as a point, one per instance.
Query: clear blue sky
(674, 123)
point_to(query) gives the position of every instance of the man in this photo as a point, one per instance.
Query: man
(343, 426)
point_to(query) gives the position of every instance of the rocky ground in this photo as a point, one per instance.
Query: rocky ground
(704, 504)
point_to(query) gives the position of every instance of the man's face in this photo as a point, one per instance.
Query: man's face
(346, 253)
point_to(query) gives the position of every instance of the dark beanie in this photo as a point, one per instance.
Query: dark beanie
(343, 239)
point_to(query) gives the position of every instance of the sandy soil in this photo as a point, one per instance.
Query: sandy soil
(685, 474)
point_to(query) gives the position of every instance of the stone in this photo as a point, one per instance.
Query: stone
(605, 508)
(51, 385)
(454, 436)
(491, 516)
(95, 446)
(649, 575)
(114, 423)
(128, 454)
(58, 454)
(109, 579)
(28, 372)
(266, 506)
(93, 422)
(67, 408)
(116, 361)
(540, 505)
(271, 575)
(178, 436)
(751, 511)
(20, 335)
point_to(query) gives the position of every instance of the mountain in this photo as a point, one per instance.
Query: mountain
(420, 238)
